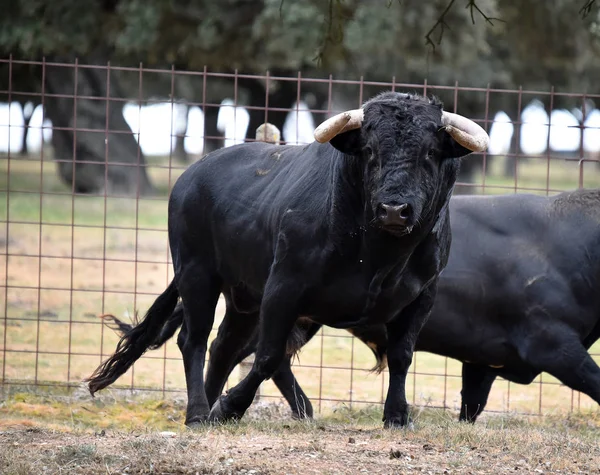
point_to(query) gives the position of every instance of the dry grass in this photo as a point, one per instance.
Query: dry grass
(71, 436)
(54, 335)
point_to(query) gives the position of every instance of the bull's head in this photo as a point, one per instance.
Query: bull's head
(410, 148)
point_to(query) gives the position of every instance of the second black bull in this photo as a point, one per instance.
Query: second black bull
(519, 296)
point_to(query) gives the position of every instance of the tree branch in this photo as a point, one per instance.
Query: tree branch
(328, 36)
(473, 6)
(441, 22)
(442, 25)
(587, 8)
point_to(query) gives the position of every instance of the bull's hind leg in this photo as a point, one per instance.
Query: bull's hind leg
(235, 341)
(224, 357)
(287, 384)
(476, 386)
(199, 293)
(277, 316)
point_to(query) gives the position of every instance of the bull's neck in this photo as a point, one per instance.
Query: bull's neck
(348, 198)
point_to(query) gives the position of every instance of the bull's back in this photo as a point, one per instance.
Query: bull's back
(510, 254)
(229, 205)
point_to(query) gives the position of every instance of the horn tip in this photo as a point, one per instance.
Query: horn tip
(320, 136)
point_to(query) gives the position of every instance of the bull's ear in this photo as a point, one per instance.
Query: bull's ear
(349, 143)
(451, 148)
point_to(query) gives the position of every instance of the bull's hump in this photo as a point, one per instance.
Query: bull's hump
(583, 202)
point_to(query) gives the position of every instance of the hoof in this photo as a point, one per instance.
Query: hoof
(395, 425)
(196, 423)
(219, 414)
(301, 416)
(402, 422)
(216, 414)
(302, 410)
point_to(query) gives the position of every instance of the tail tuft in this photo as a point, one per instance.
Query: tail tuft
(375, 337)
(300, 334)
(116, 325)
(135, 340)
(381, 363)
(167, 331)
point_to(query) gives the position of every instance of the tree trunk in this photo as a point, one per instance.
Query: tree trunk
(210, 130)
(179, 152)
(283, 97)
(27, 121)
(511, 161)
(468, 169)
(90, 159)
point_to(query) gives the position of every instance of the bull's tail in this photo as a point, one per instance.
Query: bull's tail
(116, 325)
(135, 341)
(381, 358)
(166, 332)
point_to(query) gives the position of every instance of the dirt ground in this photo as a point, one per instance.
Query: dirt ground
(321, 450)
(44, 438)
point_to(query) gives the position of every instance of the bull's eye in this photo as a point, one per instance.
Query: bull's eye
(430, 155)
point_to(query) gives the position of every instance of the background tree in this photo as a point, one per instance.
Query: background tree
(536, 45)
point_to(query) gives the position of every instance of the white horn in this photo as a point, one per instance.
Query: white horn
(466, 132)
(338, 124)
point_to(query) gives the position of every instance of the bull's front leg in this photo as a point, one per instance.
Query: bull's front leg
(402, 332)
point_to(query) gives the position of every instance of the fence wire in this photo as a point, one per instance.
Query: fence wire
(70, 254)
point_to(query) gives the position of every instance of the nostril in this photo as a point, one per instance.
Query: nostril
(382, 212)
(404, 211)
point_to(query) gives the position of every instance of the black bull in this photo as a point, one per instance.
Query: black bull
(519, 296)
(350, 231)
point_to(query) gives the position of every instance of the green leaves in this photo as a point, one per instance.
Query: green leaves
(139, 23)
(34, 27)
(378, 38)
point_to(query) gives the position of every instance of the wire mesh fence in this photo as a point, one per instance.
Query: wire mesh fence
(88, 154)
